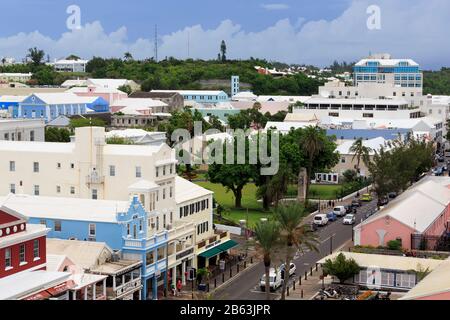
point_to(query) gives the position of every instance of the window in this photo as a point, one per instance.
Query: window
(161, 253)
(164, 193)
(181, 213)
(171, 217)
(92, 229)
(35, 166)
(171, 168)
(36, 249)
(57, 225)
(19, 136)
(72, 190)
(12, 166)
(150, 257)
(164, 221)
(43, 222)
(343, 160)
(32, 135)
(8, 262)
(171, 192)
(6, 136)
(72, 166)
(138, 172)
(58, 189)
(112, 171)
(36, 190)
(12, 188)
(58, 165)
(22, 254)
(164, 170)
(157, 223)
(94, 194)
(157, 172)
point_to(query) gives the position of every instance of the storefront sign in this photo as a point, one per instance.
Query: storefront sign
(184, 254)
(215, 243)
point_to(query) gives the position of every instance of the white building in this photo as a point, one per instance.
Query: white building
(70, 65)
(22, 129)
(15, 77)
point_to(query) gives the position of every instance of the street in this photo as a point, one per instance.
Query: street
(331, 237)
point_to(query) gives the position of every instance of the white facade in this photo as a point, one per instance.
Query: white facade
(15, 77)
(22, 130)
(70, 65)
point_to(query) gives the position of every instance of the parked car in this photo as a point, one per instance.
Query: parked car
(366, 197)
(275, 280)
(356, 203)
(340, 211)
(349, 219)
(332, 216)
(383, 201)
(321, 220)
(392, 195)
(292, 269)
(438, 171)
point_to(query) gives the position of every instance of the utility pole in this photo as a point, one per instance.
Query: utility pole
(156, 43)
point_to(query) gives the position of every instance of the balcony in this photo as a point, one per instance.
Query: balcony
(94, 178)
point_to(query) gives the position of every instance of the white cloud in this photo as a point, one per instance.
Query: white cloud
(417, 30)
(275, 6)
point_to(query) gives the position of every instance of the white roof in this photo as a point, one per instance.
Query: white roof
(65, 208)
(287, 126)
(398, 263)
(245, 95)
(135, 150)
(417, 207)
(55, 261)
(300, 117)
(357, 101)
(97, 90)
(65, 61)
(194, 92)
(387, 62)
(9, 74)
(143, 186)
(138, 103)
(109, 83)
(132, 133)
(84, 254)
(85, 279)
(35, 146)
(187, 191)
(437, 282)
(12, 98)
(373, 144)
(292, 99)
(64, 98)
(71, 83)
(21, 285)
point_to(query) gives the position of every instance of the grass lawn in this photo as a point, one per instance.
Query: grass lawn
(249, 201)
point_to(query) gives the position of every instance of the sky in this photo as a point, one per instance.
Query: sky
(293, 31)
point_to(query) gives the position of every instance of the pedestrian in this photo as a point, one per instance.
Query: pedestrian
(179, 286)
(174, 291)
(329, 203)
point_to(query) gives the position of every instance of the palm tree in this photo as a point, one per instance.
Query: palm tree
(360, 151)
(312, 145)
(36, 55)
(267, 235)
(294, 234)
(128, 56)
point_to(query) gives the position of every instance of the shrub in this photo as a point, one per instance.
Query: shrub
(394, 245)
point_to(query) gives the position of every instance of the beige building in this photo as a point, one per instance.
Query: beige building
(22, 129)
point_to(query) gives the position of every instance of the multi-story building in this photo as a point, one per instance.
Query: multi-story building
(235, 88)
(23, 259)
(200, 96)
(22, 129)
(9, 106)
(381, 68)
(15, 77)
(65, 65)
(108, 94)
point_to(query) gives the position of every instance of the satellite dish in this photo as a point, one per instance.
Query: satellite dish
(325, 94)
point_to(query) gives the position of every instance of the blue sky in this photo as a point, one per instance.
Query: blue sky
(296, 31)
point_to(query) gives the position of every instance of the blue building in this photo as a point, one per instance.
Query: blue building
(122, 225)
(49, 106)
(201, 96)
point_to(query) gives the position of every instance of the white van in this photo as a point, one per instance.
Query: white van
(321, 220)
(340, 211)
(275, 281)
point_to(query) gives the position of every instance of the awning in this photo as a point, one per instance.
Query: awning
(218, 249)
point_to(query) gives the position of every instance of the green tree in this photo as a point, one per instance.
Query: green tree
(223, 50)
(53, 134)
(118, 140)
(127, 56)
(360, 151)
(36, 56)
(83, 122)
(341, 267)
(125, 88)
(73, 57)
(267, 236)
(294, 235)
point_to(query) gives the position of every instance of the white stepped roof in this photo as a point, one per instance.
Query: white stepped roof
(187, 191)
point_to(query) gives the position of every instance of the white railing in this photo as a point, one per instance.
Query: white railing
(95, 179)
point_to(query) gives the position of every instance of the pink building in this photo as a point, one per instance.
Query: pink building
(109, 94)
(422, 212)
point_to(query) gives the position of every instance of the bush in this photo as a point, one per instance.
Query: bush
(394, 245)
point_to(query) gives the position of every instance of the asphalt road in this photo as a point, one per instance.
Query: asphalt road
(332, 237)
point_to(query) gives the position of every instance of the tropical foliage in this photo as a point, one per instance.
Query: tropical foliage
(341, 267)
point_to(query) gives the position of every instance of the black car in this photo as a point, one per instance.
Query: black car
(392, 195)
(383, 201)
(356, 203)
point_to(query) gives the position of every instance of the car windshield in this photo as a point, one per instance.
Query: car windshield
(350, 216)
(272, 279)
(318, 218)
